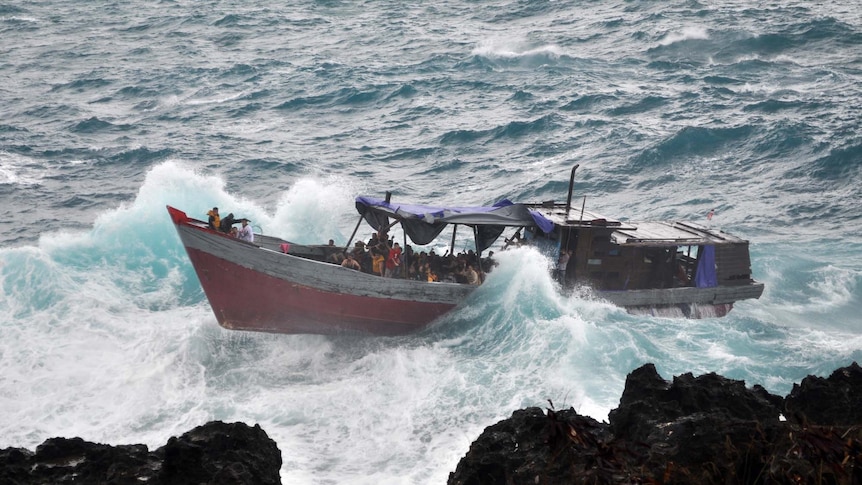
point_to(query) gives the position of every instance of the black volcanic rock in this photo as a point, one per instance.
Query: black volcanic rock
(687, 421)
(836, 400)
(692, 430)
(648, 402)
(223, 454)
(215, 453)
(531, 445)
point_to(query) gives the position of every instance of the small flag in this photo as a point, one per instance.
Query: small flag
(711, 213)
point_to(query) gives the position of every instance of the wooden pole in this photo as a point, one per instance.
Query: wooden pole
(347, 248)
(582, 209)
(478, 254)
(452, 245)
(571, 186)
(405, 264)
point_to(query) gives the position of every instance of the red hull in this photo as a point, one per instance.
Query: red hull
(259, 288)
(244, 299)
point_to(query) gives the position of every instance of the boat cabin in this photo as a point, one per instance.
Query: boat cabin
(606, 255)
(612, 255)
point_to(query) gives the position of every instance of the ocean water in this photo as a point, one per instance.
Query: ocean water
(283, 113)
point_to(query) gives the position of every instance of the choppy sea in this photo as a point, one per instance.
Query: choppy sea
(283, 112)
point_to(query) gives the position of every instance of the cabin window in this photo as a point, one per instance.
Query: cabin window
(687, 252)
(686, 259)
(614, 252)
(594, 262)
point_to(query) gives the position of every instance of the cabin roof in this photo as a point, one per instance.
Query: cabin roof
(574, 217)
(674, 233)
(632, 233)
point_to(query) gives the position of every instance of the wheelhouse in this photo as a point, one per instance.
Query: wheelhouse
(613, 255)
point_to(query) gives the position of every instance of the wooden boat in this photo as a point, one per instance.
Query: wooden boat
(274, 285)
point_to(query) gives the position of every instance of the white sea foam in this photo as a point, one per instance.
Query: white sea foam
(18, 170)
(693, 32)
(834, 287)
(508, 48)
(214, 98)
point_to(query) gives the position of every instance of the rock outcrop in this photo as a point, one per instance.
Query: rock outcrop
(836, 400)
(697, 430)
(215, 453)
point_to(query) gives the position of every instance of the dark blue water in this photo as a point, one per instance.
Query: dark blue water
(284, 113)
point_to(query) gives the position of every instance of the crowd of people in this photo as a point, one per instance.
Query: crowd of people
(226, 225)
(384, 257)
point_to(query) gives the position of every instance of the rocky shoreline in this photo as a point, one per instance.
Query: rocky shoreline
(214, 453)
(691, 430)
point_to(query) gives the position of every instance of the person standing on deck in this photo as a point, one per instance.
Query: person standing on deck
(379, 252)
(562, 263)
(214, 220)
(393, 261)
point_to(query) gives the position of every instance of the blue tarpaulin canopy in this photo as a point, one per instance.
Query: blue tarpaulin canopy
(706, 277)
(423, 223)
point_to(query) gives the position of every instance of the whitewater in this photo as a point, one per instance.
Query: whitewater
(285, 113)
